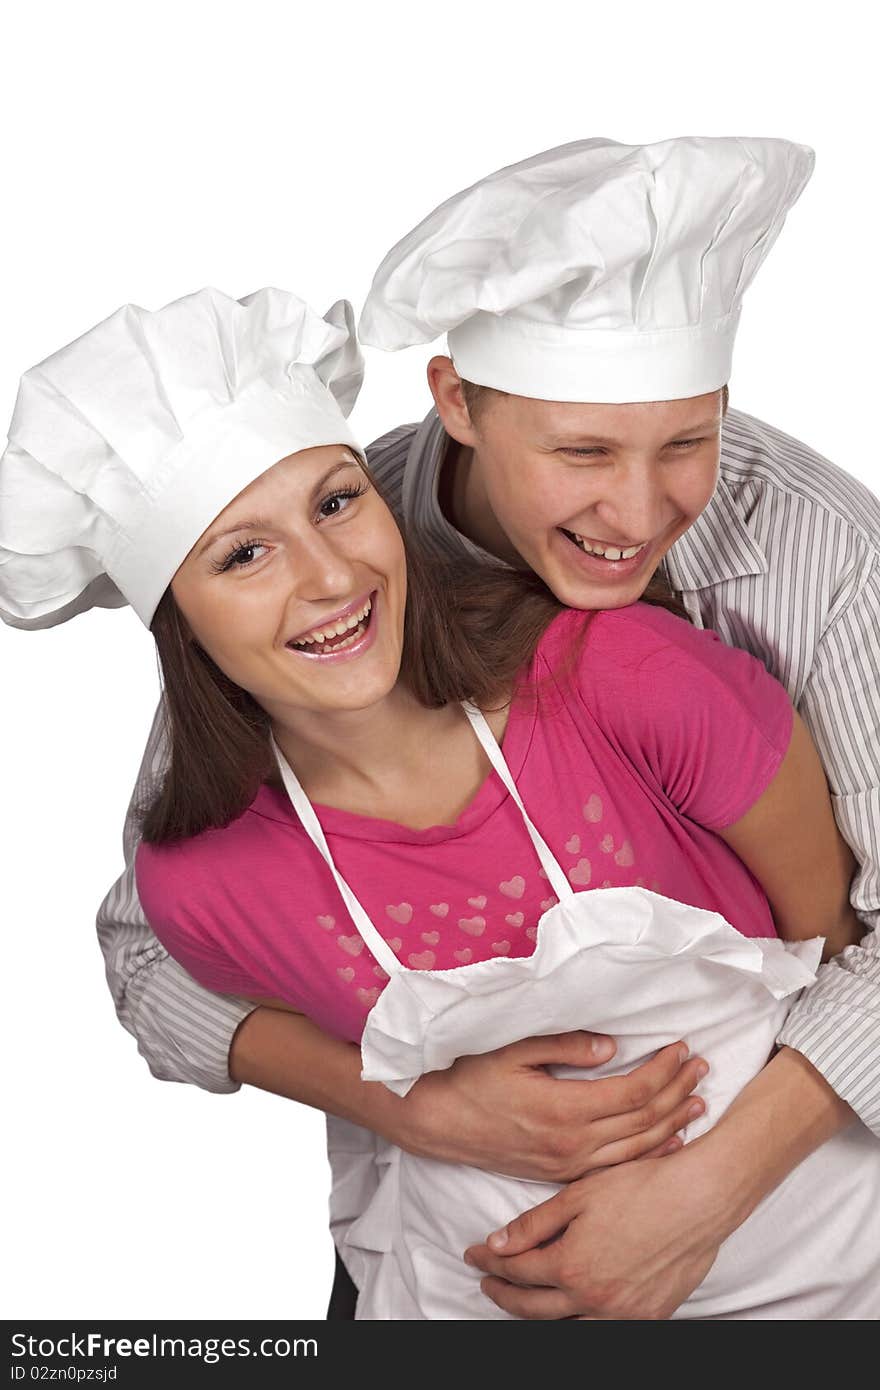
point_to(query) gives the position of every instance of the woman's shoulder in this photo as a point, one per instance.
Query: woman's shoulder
(645, 632)
(643, 664)
(208, 899)
(204, 868)
(181, 876)
(703, 721)
(625, 637)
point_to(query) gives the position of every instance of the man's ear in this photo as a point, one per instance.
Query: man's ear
(445, 384)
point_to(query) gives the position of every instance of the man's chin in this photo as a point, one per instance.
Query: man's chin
(591, 597)
(601, 599)
(574, 579)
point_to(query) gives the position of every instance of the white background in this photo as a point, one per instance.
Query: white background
(153, 148)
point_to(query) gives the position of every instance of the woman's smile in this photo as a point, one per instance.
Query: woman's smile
(343, 636)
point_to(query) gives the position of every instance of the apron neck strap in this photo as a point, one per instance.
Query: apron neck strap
(558, 881)
(312, 826)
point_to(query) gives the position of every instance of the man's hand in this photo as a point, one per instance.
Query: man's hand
(502, 1111)
(631, 1242)
(635, 1241)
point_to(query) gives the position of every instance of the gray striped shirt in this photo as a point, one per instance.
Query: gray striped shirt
(784, 563)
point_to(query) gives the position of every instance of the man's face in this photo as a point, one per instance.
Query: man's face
(593, 496)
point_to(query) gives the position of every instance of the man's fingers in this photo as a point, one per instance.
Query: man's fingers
(669, 1146)
(643, 1084)
(671, 1104)
(537, 1303)
(565, 1049)
(650, 1142)
(531, 1268)
(533, 1228)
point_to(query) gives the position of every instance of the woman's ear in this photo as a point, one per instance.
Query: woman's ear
(446, 388)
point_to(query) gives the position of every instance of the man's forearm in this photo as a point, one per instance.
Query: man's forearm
(286, 1054)
(836, 1025)
(776, 1121)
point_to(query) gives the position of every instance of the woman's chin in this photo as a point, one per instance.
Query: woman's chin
(340, 686)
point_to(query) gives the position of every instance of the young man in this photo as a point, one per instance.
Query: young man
(591, 297)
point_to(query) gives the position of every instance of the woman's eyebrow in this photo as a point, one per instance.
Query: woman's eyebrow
(259, 523)
(331, 473)
(255, 523)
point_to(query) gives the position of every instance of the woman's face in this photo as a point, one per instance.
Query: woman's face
(297, 589)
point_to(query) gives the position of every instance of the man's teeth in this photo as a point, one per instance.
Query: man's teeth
(319, 635)
(608, 552)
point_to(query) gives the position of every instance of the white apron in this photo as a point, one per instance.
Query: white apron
(648, 971)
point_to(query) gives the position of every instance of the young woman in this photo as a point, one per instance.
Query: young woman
(657, 765)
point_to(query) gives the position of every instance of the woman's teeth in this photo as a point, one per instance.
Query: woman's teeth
(325, 639)
(606, 552)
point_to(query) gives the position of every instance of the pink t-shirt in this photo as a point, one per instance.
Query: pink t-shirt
(646, 736)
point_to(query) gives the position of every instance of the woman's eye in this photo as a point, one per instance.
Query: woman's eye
(337, 502)
(247, 554)
(240, 557)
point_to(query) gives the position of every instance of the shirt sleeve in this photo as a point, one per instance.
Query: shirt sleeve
(183, 1031)
(836, 1023)
(705, 720)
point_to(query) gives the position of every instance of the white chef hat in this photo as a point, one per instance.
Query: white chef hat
(126, 444)
(593, 272)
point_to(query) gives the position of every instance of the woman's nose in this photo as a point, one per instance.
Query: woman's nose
(321, 569)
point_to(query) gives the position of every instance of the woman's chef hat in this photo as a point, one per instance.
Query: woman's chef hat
(126, 444)
(593, 272)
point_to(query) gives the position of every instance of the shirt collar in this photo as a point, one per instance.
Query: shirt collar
(420, 500)
(423, 461)
(719, 546)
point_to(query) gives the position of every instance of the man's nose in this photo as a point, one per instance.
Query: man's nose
(634, 506)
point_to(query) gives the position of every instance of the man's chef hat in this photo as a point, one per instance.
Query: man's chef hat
(126, 444)
(593, 272)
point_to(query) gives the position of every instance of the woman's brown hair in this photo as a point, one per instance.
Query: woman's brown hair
(469, 628)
